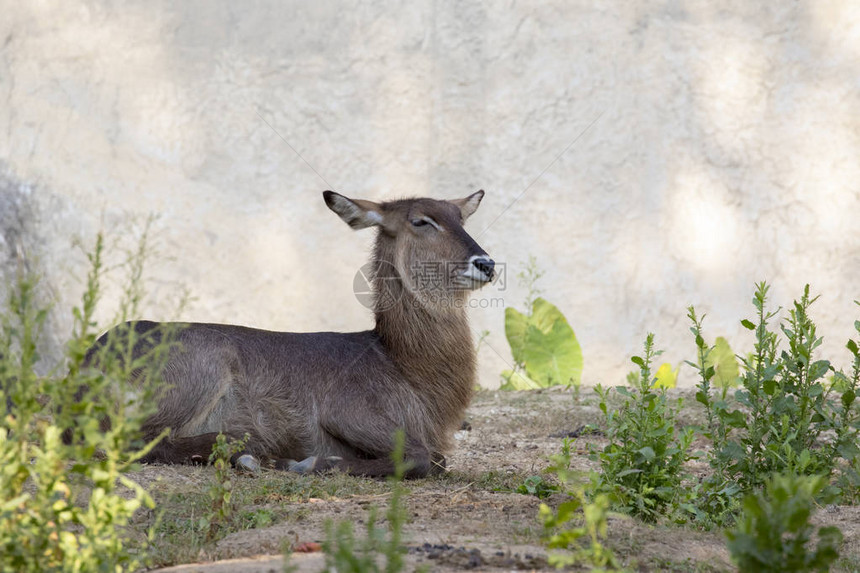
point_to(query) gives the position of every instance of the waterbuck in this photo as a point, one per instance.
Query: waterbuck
(332, 399)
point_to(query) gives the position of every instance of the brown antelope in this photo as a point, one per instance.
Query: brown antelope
(336, 399)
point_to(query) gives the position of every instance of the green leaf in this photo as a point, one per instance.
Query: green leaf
(567, 510)
(516, 324)
(748, 324)
(734, 451)
(724, 363)
(11, 504)
(734, 419)
(647, 453)
(848, 449)
(818, 369)
(545, 344)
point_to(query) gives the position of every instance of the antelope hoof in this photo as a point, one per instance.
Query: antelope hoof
(313, 464)
(305, 466)
(247, 463)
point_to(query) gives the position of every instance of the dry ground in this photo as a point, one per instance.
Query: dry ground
(468, 519)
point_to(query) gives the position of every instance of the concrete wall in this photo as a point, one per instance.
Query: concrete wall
(724, 150)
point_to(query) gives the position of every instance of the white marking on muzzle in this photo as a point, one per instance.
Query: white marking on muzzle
(474, 273)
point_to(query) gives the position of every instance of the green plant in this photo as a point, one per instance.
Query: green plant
(537, 486)
(582, 543)
(717, 498)
(344, 553)
(593, 529)
(642, 465)
(774, 532)
(544, 346)
(221, 489)
(781, 412)
(849, 481)
(64, 504)
(258, 518)
(846, 423)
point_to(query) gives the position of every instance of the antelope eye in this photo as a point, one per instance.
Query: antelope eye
(419, 222)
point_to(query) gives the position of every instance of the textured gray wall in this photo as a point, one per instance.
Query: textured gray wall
(725, 150)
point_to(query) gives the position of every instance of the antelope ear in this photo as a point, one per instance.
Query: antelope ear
(469, 204)
(357, 213)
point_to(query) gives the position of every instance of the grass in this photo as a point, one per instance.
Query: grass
(263, 500)
(274, 498)
(848, 564)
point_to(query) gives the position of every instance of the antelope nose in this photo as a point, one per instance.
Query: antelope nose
(485, 265)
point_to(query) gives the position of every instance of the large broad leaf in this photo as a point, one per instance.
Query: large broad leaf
(518, 381)
(516, 324)
(726, 369)
(545, 344)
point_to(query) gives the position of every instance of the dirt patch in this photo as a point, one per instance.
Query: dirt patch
(468, 519)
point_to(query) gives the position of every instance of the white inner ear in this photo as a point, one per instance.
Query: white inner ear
(348, 209)
(355, 215)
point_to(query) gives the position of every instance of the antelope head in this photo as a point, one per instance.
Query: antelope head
(422, 244)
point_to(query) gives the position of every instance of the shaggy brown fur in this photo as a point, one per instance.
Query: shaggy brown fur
(338, 398)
